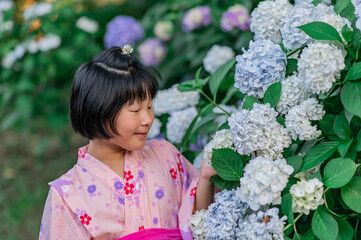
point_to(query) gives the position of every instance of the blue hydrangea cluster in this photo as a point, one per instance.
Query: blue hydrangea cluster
(152, 52)
(263, 64)
(224, 216)
(123, 30)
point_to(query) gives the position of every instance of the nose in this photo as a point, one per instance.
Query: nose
(148, 118)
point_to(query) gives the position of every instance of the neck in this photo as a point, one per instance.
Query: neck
(106, 152)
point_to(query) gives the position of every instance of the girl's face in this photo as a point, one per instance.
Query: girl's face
(133, 124)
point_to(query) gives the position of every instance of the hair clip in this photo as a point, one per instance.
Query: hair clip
(127, 49)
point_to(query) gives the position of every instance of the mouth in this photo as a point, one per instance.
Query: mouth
(142, 134)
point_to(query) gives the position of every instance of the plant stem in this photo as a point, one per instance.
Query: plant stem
(293, 51)
(294, 222)
(213, 102)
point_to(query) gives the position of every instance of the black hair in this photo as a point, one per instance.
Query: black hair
(102, 86)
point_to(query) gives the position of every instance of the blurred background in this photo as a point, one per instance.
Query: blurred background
(43, 43)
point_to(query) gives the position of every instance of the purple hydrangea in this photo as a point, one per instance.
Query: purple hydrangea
(235, 16)
(159, 194)
(92, 188)
(118, 185)
(123, 30)
(263, 64)
(196, 17)
(152, 52)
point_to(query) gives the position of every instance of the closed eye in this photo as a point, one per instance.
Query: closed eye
(150, 107)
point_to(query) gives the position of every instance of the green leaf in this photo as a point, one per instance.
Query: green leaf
(291, 66)
(358, 142)
(326, 124)
(355, 72)
(347, 33)
(351, 97)
(231, 91)
(324, 226)
(286, 207)
(191, 85)
(218, 76)
(223, 184)
(338, 172)
(321, 31)
(223, 126)
(345, 231)
(196, 79)
(227, 163)
(295, 162)
(248, 102)
(273, 94)
(318, 154)
(343, 146)
(351, 194)
(341, 5)
(341, 127)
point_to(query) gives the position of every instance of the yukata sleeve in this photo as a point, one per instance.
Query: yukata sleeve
(59, 222)
(189, 176)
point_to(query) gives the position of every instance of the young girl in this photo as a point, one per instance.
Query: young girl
(122, 186)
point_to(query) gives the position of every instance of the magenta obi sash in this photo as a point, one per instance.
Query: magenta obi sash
(154, 234)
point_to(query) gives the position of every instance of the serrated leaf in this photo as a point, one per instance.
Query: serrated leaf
(218, 76)
(295, 162)
(355, 72)
(273, 94)
(345, 231)
(326, 124)
(341, 127)
(227, 163)
(343, 147)
(351, 97)
(286, 207)
(249, 101)
(338, 172)
(223, 184)
(318, 154)
(321, 31)
(351, 194)
(324, 226)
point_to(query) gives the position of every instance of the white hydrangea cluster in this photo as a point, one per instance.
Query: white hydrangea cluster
(305, 174)
(163, 30)
(196, 224)
(268, 18)
(169, 100)
(38, 9)
(155, 128)
(178, 122)
(357, 5)
(216, 57)
(87, 25)
(298, 120)
(262, 226)
(293, 93)
(328, 2)
(258, 130)
(224, 216)
(257, 68)
(223, 118)
(318, 66)
(306, 195)
(263, 181)
(221, 139)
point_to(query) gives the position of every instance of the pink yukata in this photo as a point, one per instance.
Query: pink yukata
(91, 201)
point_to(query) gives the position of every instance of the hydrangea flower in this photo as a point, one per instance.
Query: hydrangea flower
(38, 9)
(258, 130)
(152, 52)
(357, 5)
(12, 56)
(261, 65)
(224, 216)
(221, 139)
(196, 17)
(196, 224)
(298, 120)
(262, 225)
(306, 195)
(216, 57)
(235, 16)
(263, 181)
(318, 66)
(328, 2)
(178, 122)
(123, 30)
(171, 99)
(163, 30)
(293, 93)
(155, 128)
(48, 42)
(268, 18)
(87, 25)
